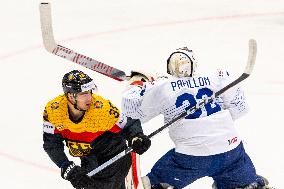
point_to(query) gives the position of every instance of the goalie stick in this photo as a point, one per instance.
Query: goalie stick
(68, 54)
(246, 74)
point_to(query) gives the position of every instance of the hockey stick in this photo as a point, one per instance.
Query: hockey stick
(246, 74)
(68, 54)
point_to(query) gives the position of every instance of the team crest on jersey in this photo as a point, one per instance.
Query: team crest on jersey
(98, 104)
(78, 149)
(54, 105)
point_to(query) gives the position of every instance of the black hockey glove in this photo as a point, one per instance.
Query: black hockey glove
(76, 175)
(133, 132)
(140, 143)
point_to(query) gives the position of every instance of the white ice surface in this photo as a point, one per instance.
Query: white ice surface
(132, 34)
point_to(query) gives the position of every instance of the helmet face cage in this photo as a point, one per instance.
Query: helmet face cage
(77, 81)
(189, 54)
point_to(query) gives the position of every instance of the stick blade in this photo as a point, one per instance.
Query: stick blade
(251, 56)
(46, 26)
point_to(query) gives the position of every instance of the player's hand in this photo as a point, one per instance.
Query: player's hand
(76, 175)
(133, 133)
(140, 143)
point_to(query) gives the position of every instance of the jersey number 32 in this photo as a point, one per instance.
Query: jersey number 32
(210, 108)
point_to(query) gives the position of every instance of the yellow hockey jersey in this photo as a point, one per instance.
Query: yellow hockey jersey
(100, 117)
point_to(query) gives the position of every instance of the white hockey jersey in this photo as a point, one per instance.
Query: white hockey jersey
(209, 130)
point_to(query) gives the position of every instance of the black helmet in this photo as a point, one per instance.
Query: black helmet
(77, 81)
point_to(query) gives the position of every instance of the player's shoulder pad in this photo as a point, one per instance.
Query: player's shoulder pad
(54, 107)
(56, 103)
(100, 102)
(97, 97)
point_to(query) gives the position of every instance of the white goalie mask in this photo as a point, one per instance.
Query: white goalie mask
(182, 63)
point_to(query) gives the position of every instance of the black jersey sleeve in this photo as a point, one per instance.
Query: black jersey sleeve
(54, 147)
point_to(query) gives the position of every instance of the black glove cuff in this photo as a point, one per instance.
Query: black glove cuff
(67, 170)
(132, 129)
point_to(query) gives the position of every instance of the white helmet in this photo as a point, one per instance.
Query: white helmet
(182, 63)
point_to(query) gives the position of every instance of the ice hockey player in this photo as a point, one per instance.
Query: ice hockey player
(206, 141)
(93, 130)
